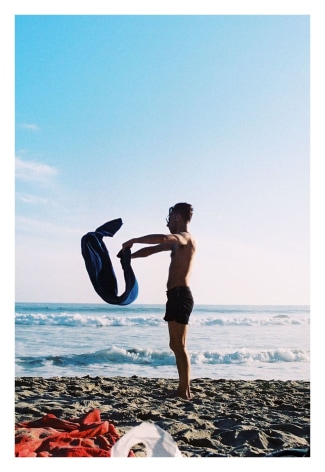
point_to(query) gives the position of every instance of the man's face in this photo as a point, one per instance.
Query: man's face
(171, 221)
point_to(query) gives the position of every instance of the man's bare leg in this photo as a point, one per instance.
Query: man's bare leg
(177, 343)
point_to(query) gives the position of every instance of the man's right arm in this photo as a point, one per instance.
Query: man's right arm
(158, 239)
(149, 250)
(160, 242)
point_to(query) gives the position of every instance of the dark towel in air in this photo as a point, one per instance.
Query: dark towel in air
(100, 268)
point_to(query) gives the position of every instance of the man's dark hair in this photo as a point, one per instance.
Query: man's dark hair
(183, 209)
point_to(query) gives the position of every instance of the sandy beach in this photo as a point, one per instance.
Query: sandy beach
(225, 418)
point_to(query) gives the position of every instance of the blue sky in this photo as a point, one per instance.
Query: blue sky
(123, 116)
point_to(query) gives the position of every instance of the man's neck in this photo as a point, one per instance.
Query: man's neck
(182, 229)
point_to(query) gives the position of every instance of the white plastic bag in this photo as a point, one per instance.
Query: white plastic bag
(158, 442)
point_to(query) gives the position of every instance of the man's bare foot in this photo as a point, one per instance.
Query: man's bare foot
(177, 393)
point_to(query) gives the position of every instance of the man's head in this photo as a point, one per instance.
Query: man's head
(179, 213)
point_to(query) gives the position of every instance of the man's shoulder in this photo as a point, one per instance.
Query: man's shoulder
(184, 234)
(188, 237)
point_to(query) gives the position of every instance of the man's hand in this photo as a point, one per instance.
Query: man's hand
(127, 244)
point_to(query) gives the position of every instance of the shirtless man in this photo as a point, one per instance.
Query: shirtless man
(179, 297)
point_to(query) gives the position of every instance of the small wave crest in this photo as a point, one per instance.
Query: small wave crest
(78, 320)
(115, 355)
(102, 320)
(246, 356)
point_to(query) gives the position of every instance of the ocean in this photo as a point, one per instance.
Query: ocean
(229, 342)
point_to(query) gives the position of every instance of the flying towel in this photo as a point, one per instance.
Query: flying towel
(100, 268)
(49, 436)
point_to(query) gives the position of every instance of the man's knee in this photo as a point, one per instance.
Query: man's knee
(177, 336)
(177, 345)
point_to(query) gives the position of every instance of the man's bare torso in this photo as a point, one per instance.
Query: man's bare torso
(181, 263)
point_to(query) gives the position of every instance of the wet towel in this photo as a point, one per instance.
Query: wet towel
(100, 268)
(49, 436)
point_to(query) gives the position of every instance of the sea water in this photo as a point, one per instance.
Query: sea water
(230, 342)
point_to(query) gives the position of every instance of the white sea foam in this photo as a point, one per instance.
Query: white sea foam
(232, 342)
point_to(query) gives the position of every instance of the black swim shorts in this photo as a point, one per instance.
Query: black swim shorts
(179, 305)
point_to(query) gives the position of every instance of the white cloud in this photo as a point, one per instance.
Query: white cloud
(31, 199)
(39, 227)
(30, 126)
(28, 170)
